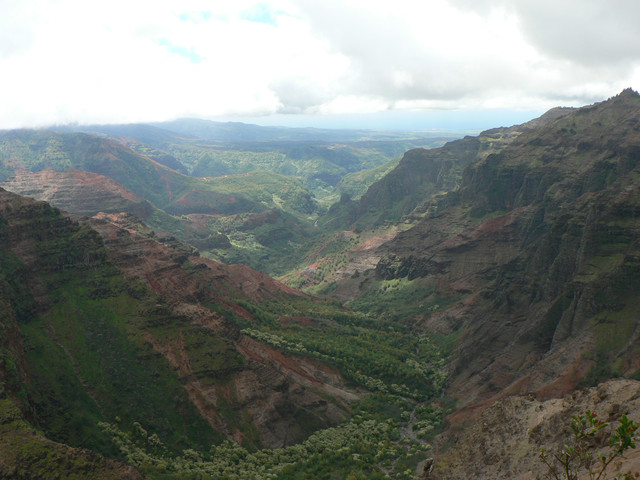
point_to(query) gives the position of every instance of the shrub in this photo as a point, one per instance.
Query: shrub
(577, 457)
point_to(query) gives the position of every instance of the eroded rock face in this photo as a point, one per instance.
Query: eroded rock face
(137, 327)
(285, 396)
(504, 442)
(77, 191)
(540, 247)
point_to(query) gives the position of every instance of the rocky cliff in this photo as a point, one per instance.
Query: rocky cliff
(541, 244)
(78, 191)
(423, 174)
(506, 440)
(530, 268)
(102, 321)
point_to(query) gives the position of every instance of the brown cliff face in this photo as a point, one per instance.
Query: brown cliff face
(504, 442)
(77, 191)
(423, 174)
(285, 396)
(553, 270)
(536, 254)
(113, 322)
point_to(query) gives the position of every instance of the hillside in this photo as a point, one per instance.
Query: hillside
(529, 269)
(393, 203)
(484, 280)
(68, 292)
(259, 218)
(422, 174)
(317, 157)
(208, 183)
(78, 191)
(85, 174)
(541, 240)
(527, 272)
(109, 332)
(506, 440)
(38, 150)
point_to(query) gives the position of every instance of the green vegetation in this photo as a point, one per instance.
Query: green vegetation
(84, 363)
(27, 454)
(271, 189)
(401, 298)
(271, 241)
(89, 352)
(363, 448)
(322, 166)
(380, 354)
(93, 360)
(576, 457)
(356, 184)
(387, 434)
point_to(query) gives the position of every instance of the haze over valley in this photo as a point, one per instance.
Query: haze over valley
(285, 240)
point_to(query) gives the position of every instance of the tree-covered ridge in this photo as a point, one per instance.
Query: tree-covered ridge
(104, 341)
(319, 158)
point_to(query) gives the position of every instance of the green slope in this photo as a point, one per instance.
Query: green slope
(80, 354)
(88, 352)
(532, 265)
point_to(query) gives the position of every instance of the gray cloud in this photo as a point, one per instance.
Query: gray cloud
(311, 57)
(298, 94)
(380, 50)
(388, 59)
(591, 33)
(576, 50)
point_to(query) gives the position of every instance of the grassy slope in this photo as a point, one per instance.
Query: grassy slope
(84, 349)
(89, 359)
(26, 454)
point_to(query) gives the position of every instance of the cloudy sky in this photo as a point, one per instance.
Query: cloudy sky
(404, 63)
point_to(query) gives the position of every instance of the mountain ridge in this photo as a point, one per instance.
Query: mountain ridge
(519, 216)
(513, 274)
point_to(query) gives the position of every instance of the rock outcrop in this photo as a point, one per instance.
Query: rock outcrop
(505, 441)
(532, 263)
(102, 321)
(77, 191)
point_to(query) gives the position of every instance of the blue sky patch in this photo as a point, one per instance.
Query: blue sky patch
(184, 52)
(195, 17)
(261, 13)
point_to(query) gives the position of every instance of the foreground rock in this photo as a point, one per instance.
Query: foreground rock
(504, 442)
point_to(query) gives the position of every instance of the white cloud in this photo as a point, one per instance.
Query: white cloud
(120, 61)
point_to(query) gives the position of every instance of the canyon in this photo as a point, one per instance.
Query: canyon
(486, 290)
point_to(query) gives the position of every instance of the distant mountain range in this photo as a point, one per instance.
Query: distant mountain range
(238, 132)
(463, 286)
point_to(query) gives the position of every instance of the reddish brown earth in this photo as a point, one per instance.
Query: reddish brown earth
(504, 441)
(269, 385)
(78, 191)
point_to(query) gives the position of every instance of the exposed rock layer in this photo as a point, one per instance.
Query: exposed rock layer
(506, 440)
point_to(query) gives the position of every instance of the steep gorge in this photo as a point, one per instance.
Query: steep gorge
(519, 254)
(541, 243)
(118, 324)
